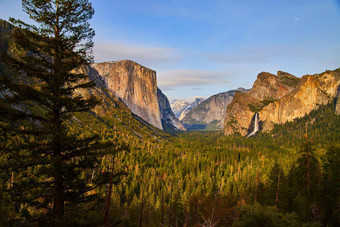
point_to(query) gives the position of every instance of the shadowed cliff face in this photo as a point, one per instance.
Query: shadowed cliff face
(136, 86)
(279, 99)
(168, 118)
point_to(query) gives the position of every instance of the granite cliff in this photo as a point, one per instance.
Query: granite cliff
(210, 113)
(136, 86)
(280, 98)
(311, 92)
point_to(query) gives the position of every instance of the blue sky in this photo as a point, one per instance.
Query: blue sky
(203, 47)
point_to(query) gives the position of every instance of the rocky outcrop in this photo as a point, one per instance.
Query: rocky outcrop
(285, 99)
(168, 118)
(273, 87)
(312, 91)
(210, 114)
(136, 86)
(266, 89)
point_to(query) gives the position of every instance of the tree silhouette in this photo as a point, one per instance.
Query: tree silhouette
(39, 99)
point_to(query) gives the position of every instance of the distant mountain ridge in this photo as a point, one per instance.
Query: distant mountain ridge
(182, 107)
(210, 113)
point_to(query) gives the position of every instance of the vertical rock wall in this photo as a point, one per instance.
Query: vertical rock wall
(134, 84)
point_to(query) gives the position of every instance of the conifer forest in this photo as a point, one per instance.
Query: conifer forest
(73, 154)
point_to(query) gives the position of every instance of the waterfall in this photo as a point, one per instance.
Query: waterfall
(256, 125)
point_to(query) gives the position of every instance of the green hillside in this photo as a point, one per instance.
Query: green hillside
(182, 179)
(200, 169)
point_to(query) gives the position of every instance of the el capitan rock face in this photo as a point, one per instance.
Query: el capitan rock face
(286, 98)
(136, 86)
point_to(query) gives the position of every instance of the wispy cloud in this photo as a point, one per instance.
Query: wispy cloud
(147, 55)
(191, 78)
(234, 58)
(257, 54)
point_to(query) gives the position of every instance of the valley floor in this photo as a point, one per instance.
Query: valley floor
(289, 177)
(284, 178)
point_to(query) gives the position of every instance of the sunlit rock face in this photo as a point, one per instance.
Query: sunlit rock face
(279, 99)
(311, 92)
(136, 86)
(239, 114)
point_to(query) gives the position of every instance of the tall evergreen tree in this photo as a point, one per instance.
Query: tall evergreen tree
(305, 180)
(38, 101)
(330, 192)
(276, 192)
(308, 171)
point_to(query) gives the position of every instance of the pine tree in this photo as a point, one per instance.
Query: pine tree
(308, 170)
(330, 193)
(305, 182)
(39, 99)
(277, 189)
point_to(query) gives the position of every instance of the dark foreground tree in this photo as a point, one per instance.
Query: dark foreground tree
(330, 191)
(47, 166)
(305, 180)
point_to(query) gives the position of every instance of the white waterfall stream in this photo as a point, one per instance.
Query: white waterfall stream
(256, 125)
